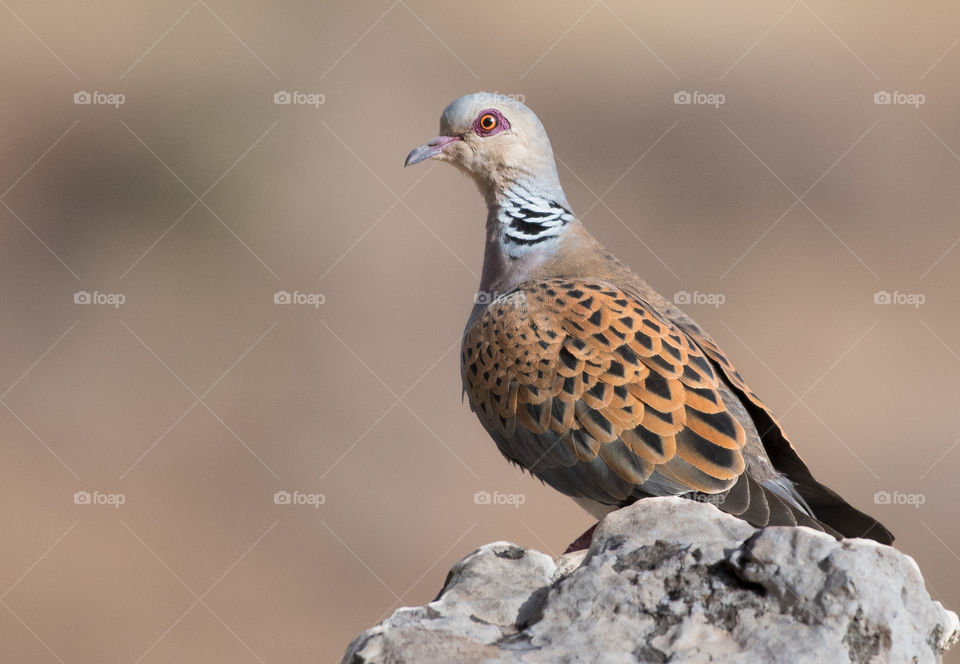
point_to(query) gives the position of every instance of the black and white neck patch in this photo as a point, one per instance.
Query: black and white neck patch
(527, 220)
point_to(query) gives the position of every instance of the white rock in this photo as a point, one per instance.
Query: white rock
(668, 579)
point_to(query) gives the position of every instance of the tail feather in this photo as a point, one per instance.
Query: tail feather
(827, 505)
(840, 515)
(760, 506)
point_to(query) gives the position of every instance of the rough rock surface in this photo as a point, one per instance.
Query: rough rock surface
(672, 580)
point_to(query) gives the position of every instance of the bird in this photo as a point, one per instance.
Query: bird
(587, 377)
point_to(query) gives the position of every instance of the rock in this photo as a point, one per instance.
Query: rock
(673, 580)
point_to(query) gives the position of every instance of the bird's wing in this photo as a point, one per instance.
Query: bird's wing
(590, 389)
(573, 372)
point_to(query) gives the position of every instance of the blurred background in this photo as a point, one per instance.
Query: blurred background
(231, 420)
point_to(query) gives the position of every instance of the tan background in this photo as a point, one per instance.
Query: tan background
(198, 398)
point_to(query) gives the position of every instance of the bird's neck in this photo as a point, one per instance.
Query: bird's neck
(526, 226)
(524, 218)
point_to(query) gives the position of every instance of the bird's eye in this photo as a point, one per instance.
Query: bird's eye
(490, 122)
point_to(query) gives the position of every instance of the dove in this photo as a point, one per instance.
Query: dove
(589, 379)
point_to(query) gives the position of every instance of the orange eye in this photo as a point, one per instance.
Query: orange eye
(489, 122)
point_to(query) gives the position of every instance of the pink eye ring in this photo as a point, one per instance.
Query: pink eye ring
(490, 122)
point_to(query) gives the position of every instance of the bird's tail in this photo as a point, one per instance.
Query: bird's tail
(761, 506)
(832, 510)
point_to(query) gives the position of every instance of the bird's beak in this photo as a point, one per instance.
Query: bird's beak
(431, 149)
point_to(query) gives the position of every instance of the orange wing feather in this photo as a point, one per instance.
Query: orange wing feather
(561, 371)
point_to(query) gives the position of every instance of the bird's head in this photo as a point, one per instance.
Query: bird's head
(496, 140)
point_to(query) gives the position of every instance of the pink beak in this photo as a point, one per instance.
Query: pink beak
(431, 149)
